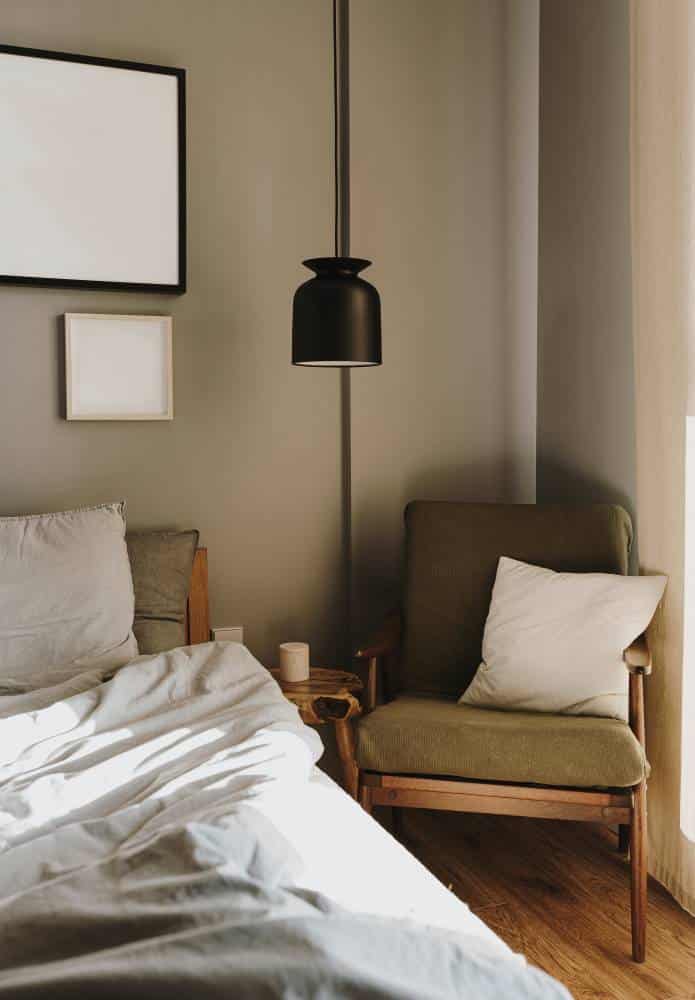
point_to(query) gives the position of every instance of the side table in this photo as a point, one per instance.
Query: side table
(330, 696)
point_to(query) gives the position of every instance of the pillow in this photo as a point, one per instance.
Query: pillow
(554, 642)
(161, 562)
(66, 596)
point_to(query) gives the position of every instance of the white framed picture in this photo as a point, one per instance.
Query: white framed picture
(92, 172)
(118, 367)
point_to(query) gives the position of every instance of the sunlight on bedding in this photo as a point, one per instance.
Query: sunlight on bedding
(188, 738)
(378, 876)
(170, 738)
(41, 729)
(187, 785)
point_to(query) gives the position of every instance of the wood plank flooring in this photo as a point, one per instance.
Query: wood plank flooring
(559, 892)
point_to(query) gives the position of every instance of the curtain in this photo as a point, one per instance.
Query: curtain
(663, 293)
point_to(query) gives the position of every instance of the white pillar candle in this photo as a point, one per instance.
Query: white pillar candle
(294, 661)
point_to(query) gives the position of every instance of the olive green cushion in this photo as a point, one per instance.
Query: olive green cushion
(426, 735)
(161, 563)
(452, 550)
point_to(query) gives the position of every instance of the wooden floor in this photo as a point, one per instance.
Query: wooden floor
(558, 892)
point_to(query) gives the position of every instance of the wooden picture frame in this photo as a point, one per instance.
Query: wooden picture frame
(93, 172)
(118, 367)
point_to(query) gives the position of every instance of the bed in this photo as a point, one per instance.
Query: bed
(166, 830)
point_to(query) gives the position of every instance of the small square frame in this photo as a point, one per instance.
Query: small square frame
(118, 367)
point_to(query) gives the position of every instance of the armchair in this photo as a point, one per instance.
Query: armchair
(417, 747)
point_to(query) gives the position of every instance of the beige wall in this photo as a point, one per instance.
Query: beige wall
(444, 136)
(445, 145)
(251, 458)
(585, 370)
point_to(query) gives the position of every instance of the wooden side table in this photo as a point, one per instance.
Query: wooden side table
(330, 696)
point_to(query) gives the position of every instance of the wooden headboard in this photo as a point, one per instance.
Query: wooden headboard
(198, 607)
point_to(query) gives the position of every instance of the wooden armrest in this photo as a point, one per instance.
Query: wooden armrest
(637, 656)
(387, 640)
(384, 644)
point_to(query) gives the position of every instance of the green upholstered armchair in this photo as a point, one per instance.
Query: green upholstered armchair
(416, 747)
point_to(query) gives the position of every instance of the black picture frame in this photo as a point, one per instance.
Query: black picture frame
(178, 287)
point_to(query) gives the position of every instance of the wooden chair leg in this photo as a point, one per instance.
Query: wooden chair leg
(345, 740)
(365, 797)
(623, 838)
(638, 873)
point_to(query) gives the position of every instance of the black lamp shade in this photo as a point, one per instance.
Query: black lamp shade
(336, 316)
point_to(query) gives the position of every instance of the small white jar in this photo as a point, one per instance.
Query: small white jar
(294, 662)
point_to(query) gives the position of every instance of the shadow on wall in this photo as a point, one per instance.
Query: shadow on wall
(61, 395)
(560, 483)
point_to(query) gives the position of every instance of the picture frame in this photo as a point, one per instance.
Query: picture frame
(92, 173)
(118, 367)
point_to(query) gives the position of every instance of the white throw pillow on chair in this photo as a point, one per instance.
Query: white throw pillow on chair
(554, 642)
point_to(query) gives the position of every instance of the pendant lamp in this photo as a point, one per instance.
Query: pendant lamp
(336, 316)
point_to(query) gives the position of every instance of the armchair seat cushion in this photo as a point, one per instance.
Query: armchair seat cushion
(435, 736)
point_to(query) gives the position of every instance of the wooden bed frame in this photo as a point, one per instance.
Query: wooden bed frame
(198, 606)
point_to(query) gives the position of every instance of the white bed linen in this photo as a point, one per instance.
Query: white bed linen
(91, 770)
(349, 857)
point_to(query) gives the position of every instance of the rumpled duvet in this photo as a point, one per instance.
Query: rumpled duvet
(137, 862)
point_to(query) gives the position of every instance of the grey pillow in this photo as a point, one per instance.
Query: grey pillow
(161, 562)
(66, 596)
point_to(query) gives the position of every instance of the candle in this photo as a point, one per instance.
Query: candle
(294, 662)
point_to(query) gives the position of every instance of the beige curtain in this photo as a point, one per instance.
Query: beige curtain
(663, 246)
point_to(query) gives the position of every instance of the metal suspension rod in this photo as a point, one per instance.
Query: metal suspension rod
(341, 93)
(341, 120)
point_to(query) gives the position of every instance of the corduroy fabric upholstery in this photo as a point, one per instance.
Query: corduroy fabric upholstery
(433, 736)
(452, 550)
(161, 563)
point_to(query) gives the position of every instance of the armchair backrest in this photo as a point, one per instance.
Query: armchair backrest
(452, 550)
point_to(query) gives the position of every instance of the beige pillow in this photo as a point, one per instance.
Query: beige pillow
(554, 642)
(66, 596)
